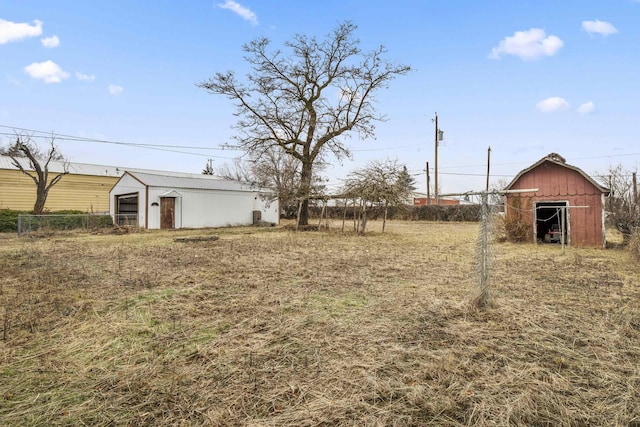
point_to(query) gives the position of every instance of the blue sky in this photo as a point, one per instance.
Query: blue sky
(524, 77)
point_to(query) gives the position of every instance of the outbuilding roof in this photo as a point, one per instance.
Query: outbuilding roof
(89, 169)
(555, 158)
(200, 182)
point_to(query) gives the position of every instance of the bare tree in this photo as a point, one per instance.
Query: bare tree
(496, 198)
(274, 170)
(622, 206)
(381, 184)
(36, 166)
(237, 170)
(306, 101)
(281, 173)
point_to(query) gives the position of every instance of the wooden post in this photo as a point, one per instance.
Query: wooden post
(635, 189)
(435, 187)
(484, 251)
(488, 166)
(563, 215)
(428, 186)
(324, 206)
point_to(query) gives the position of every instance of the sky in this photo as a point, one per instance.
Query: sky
(525, 78)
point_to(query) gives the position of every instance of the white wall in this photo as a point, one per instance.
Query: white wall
(196, 208)
(211, 208)
(129, 185)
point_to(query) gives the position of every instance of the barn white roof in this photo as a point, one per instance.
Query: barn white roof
(89, 169)
(200, 182)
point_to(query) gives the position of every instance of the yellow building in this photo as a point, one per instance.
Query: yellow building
(85, 188)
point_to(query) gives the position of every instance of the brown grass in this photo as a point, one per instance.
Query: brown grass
(268, 327)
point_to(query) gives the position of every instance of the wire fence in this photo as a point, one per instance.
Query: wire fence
(28, 223)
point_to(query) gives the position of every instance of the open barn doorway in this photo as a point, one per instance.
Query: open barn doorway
(127, 209)
(551, 219)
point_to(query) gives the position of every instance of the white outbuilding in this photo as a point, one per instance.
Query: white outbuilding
(196, 201)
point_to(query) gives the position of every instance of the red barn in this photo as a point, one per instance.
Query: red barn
(568, 203)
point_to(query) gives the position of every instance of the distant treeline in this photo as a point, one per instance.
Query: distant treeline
(407, 213)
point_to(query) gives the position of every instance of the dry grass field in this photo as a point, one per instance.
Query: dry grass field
(269, 327)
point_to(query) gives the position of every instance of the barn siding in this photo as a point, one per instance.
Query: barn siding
(74, 192)
(558, 183)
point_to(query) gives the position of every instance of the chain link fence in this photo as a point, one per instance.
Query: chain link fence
(28, 223)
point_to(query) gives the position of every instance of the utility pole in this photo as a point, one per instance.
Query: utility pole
(428, 185)
(438, 137)
(488, 166)
(435, 187)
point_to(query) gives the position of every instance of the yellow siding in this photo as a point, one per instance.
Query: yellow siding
(78, 192)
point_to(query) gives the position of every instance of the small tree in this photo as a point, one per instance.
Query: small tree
(496, 198)
(622, 207)
(381, 184)
(208, 169)
(273, 170)
(37, 166)
(306, 101)
(407, 181)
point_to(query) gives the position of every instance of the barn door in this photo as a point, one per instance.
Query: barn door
(167, 213)
(552, 222)
(127, 209)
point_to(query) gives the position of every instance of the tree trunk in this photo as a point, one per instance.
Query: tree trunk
(384, 220)
(363, 219)
(305, 190)
(41, 198)
(344, 214)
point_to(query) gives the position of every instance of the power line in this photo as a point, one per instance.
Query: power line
(175, 149)
(156, 147)
(66, 137)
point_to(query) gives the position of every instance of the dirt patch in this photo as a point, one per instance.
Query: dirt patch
(195, 239)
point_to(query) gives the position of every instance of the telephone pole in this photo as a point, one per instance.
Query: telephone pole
(438, 137)
(428, 185)
(488, 167)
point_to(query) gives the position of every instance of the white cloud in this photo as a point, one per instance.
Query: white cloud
(244, 12)
(14, 31)
(52, 41)
(527, 45)
(85, 77)
(587, 108)
(48, 71)
(552, 105)
(115, 89)
(599, 27)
